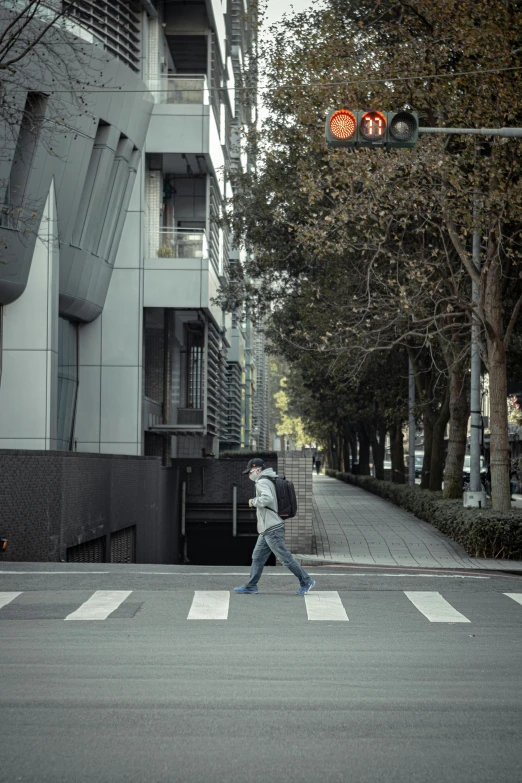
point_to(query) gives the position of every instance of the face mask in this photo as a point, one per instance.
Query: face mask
(253, 475)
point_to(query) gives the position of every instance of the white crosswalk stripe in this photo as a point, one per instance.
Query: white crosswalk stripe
(6, 598)
(435, 607)
(215, 605)
(100, 605)
(325, 605)
(209, 605)
(515, 596)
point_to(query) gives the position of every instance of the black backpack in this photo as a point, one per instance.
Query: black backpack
(286, 498)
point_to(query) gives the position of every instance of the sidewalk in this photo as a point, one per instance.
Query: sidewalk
(354, 526)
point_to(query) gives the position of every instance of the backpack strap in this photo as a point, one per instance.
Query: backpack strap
(272, 480)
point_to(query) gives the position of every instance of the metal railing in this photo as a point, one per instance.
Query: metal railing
(179, 243)
(186, 88)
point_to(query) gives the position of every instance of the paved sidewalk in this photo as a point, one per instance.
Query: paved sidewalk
(357, 527)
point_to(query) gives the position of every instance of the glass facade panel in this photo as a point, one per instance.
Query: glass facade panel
(67, 382)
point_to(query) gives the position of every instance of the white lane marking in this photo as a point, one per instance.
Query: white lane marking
(209, 605)
(515, 596)
(242, 573)
(100, 605)
(325, 605)
(435, 607)
(6, 598)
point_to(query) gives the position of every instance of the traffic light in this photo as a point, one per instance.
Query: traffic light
(341, 128)
(403, 128)
(347, 128)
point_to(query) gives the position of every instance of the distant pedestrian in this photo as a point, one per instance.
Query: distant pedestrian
(318, 462)
(271, 530)
(313, 460)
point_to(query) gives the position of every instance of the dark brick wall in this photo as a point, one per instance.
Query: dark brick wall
(211, 480)
(51, 500)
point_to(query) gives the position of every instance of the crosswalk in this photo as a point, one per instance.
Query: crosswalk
(100, 605)
(325, 606)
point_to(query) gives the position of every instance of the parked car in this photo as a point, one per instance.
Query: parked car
(467, 467)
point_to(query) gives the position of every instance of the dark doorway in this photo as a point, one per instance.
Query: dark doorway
(217, 549)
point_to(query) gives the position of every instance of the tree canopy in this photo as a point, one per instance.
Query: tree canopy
(361, 254)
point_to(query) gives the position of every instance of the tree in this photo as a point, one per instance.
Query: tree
(379, 245)
(289, 426)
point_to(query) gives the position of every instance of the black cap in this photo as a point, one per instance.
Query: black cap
(256, 462)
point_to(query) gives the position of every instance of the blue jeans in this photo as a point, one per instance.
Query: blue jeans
(274, 542)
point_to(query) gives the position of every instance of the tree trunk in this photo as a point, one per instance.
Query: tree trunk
(437, 445)
(364, 453)
(338, 452)
(428, 440)
(378, 444)
(330, 454)
(459, 414)
(347, 442)
(397, 454)
(498, 424)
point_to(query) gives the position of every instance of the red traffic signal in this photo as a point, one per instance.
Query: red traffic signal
(347, 128)
(342, 125)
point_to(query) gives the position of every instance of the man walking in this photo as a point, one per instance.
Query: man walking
(318, 462)
(271, 529)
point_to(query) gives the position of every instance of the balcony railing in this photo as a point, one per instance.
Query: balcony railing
(186, 88)
(179, 243)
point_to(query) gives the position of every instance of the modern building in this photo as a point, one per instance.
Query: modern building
(111, 338)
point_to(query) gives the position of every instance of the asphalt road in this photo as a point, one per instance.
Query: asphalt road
(378, 693)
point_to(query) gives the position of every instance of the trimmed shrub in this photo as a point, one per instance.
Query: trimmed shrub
(482, 532)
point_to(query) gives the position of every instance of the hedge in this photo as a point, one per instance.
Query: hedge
(482, 532)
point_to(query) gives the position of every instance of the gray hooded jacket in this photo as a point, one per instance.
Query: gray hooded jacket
(265, 503)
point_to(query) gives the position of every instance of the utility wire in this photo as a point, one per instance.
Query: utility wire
(309, 85)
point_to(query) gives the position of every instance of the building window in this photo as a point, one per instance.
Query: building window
(67, 382)
(195, 343)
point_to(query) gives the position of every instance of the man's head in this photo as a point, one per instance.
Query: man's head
(255, 467)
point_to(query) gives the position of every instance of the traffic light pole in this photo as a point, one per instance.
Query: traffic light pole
(411, 425)
(475, 484)
(505, 133)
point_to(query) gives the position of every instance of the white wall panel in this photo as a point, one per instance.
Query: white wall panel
(131, 243)
(178, 128)
(120, 401)
(120, 448)
(35, 444)
(28, 387)
(89, 448)
(136, 199)
(23, 398)
(90, 342)
(173, 289)
(121, 319)
(87, 428)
